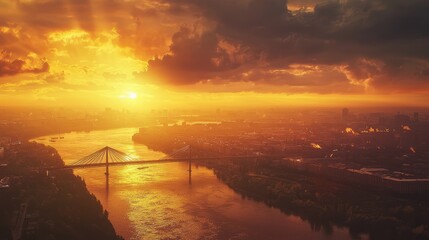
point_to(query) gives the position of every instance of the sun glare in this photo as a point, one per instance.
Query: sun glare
(129, 95)
(132, 95)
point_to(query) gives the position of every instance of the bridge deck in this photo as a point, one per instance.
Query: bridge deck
(137, 162)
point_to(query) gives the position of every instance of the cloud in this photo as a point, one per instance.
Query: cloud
(369, 42)
(193, 57)
(19, 51)
(54, 78)
(10, 67)
(296, 45)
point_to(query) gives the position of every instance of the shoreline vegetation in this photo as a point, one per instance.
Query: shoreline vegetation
(38, 206)
(321, 202)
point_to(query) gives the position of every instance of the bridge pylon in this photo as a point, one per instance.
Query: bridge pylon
(190, 159)
(107, 161)
(104, 157)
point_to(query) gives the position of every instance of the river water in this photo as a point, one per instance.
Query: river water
(158, 202)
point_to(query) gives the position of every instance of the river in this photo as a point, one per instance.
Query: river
(157, 201)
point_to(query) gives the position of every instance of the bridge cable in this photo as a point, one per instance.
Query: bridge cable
(89, 159)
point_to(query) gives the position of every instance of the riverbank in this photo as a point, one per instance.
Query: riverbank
(319, 201)
(36, 206)
(25, 133)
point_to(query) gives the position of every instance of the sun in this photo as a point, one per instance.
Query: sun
(128, 95)
(132, 95)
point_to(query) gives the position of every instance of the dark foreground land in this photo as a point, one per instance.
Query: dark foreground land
(36, 206)
(322, 202)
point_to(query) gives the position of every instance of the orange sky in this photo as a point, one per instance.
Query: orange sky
(215, 53)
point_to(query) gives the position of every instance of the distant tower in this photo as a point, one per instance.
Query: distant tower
(345, 113)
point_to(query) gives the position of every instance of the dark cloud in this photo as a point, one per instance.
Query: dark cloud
(17, 66)
(372, 40)
(194, 57)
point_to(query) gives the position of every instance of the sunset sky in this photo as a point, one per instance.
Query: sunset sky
(176, 53)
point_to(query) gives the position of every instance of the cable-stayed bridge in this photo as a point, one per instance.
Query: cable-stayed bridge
(108, 157)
